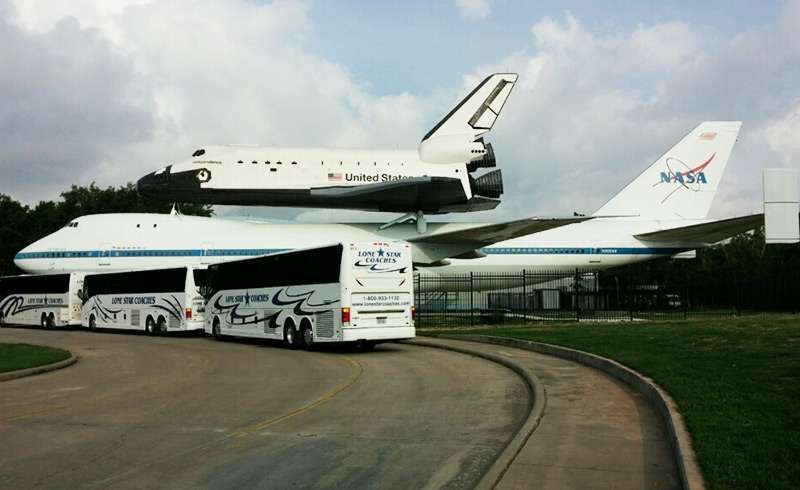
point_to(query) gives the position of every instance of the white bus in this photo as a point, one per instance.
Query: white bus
(347, 292)
(48, 300)
(156, 301)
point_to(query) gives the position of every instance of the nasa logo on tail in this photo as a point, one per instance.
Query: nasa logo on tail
(682, 176)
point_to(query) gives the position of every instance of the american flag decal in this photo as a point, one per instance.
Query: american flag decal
(335, 177)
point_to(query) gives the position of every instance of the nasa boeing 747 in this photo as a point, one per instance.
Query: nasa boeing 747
(661, 213)
(436, 177)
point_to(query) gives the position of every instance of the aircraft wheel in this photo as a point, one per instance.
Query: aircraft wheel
(161, 326)
(150, 326)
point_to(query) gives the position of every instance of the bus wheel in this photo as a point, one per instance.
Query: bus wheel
(290, 335)
(307, 334)
(51, 321)
(365, 346)
(215, 329)
(92, 323)
(150, 326)
(43, 320)
(161, 326)
(2, 320)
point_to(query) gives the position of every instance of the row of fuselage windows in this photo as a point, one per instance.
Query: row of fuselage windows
(538, 250)
(149, 253)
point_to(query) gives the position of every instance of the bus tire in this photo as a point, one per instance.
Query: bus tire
(215, 330)
(150, 325)
(43, 320)
(92, 323)
(290, 334)
(51, 320)
(2, 320)
(307, 334)
(161, 326)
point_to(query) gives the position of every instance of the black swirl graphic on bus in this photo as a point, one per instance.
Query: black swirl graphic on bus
(374, 267)
(14, 305)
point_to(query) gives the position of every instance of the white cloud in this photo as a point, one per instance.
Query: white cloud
(473, 9)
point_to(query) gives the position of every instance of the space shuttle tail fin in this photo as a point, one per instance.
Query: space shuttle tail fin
(455, 137)
(682, 182)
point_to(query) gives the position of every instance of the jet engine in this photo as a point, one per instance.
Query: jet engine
(488, 185)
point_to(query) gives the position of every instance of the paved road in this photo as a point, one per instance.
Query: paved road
(595, 433)
(191, 412)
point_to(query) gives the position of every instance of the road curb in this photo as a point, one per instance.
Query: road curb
(21, 373)
(535, 412)
(665, 406)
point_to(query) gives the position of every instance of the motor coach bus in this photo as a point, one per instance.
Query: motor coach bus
(346, 292)
(47, 300)
(156, 301)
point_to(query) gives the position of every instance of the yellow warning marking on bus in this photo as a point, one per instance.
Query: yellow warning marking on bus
(259, 426)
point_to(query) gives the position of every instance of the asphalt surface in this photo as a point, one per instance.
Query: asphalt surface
(144, 412)
(595, 433)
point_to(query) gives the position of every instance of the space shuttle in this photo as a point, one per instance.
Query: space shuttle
(439, 176)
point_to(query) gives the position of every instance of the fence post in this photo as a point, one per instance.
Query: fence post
(630, 293)
(524, 299)
(471, 301)
(417, 301)
(577, 297)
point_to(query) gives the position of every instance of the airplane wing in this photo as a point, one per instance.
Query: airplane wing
(428, 194)
(705, 233)
(437, 246)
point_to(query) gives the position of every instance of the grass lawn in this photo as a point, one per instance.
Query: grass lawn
(23, 356)
(736, 381)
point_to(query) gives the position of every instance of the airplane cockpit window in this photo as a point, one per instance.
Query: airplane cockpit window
(71, 224)
(199, 152)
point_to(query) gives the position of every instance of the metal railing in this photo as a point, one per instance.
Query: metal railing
(454, 300)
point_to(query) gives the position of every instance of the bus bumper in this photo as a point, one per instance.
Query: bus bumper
(354, 334)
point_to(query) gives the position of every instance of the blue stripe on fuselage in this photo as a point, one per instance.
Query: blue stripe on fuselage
(251, 252)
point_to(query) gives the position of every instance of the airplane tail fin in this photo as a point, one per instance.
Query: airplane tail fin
(683, 181)
(454, 138)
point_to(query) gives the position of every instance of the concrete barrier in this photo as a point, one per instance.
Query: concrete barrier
(20, 373)
(689, 471)
(535, 412)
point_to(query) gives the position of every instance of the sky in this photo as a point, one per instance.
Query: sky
(107, 90)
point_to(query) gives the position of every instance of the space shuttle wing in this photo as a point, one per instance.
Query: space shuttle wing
(437, 246)
(429, 194)
(478, 111)
(705, 233)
